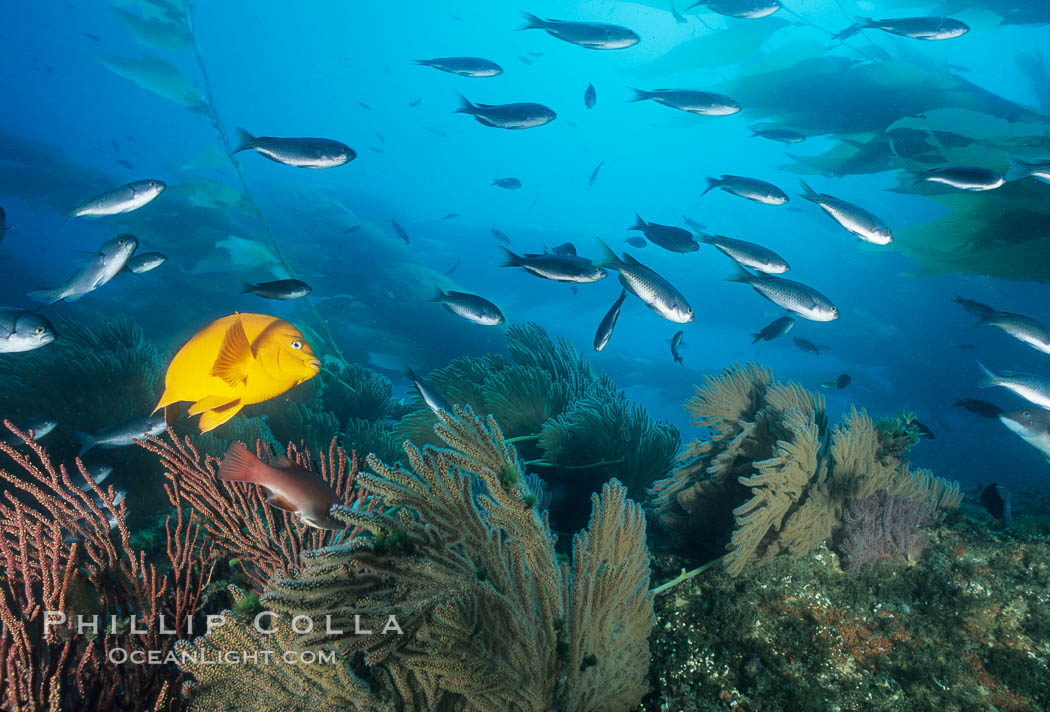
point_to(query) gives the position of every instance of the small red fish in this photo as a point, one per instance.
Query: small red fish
(288, 486)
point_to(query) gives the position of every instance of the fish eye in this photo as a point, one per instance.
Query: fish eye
(297, 345)
(39, 330)
(1026, 414)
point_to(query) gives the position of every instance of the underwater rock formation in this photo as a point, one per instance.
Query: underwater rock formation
(265, 540)
(492, 620)
(773, 476)
(68, 552)
(569, 421)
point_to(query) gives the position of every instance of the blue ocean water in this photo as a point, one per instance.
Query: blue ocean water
(345, 71)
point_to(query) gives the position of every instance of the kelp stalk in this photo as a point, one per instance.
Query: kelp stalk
(220, 128)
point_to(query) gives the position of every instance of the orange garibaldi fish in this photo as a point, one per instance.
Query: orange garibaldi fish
(233, 362)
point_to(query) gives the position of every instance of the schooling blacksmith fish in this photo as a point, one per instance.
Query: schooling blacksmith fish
(520, 115)
(121, 200)
(464, 66)
(591, 35)
(299, 152)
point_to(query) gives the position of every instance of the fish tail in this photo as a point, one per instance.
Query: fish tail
(439, 296)
(238, 464)
(755, 338)
(740, 275)
(988, 379)
(1018, 169)
(47, 296)
(245, 141)
(511, 259)
(85, 440)
(639, 224)
(808, 193)
(712, 183)
(640, 95)
(424, 62)
(532, 22)
(248, 288)
(705, 238)
(754, 131)
(465, 107)
(609, 258)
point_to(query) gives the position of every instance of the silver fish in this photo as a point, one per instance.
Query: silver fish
(608, 323)
(123, 434)
(740, 9)
(1034, 389)
(1024, 169)
(22, 330)
(471, 307)
(916, 28)
(782, 135)
(521, 115)
(1032, 425)
(103, 267)
(699, 227)
(430, 395)
(312, 153)
(854, 218)
(121, 200)
(590, 35)
(693, 102)
(796, 297)
(590, 96)
(560, 268)
(972, 178)
(145, 262)
(748, 254)
(753, 189)
(36, 429)
(976, 309)
(463, 66)
(280, 289)
(1025, 329)
(676, 342)
(774, 330)
(657, 293)
(98, 475)
(669, 237)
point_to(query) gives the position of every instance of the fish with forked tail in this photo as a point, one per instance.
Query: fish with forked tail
(590, 35)
(299, 152)
(516, 116)
(644, 283)
(121, 435)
